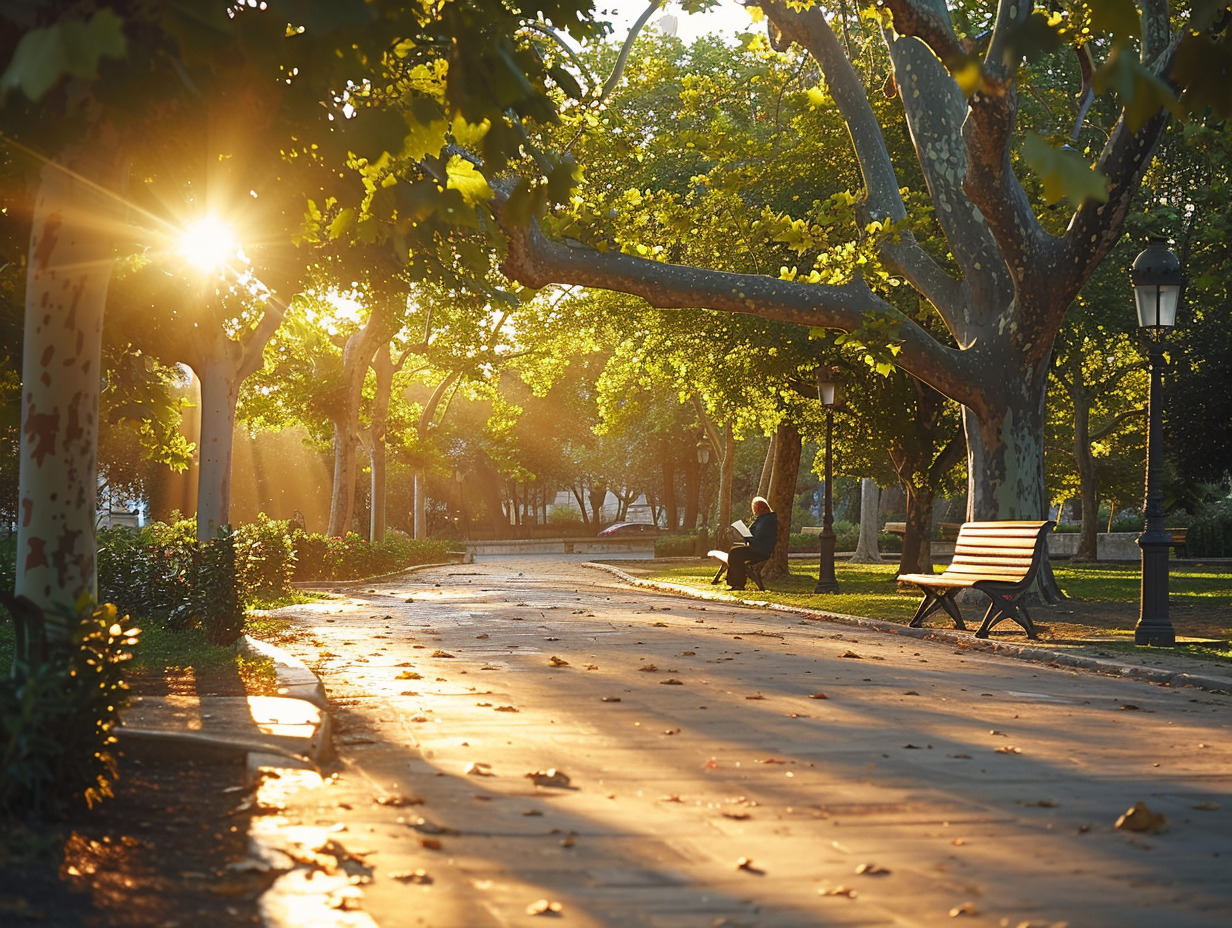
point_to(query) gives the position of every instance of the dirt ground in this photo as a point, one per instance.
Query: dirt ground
(157, 855)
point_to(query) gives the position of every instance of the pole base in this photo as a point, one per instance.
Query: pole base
(1156, 636)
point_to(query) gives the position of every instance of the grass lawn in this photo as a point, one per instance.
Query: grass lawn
(1102, 598)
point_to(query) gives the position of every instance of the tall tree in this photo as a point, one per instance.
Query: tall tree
(1010, 269)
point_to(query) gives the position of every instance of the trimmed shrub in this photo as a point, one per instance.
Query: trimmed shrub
(57, 719)
(1210, 534)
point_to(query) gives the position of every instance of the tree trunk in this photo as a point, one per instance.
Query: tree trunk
(866, 547)
(1005, 451)
(727, 471)
(1088, 546)
(418, 524)
(219, 392)
(917, 548)
(70, 263)
(383, 366)
(767, 469)
(692, 494)
(782, 493)
(669, 496)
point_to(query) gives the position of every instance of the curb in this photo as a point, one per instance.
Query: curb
(1157, 676)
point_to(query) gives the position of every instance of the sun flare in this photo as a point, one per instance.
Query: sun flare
(209, 244)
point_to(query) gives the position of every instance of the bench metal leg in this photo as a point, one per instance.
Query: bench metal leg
(938, 600)
(718, 574)
(753, 570)
(1002, 608)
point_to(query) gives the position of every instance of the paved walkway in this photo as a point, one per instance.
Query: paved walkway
(533, 737)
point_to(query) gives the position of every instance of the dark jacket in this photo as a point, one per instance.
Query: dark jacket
(765, 529)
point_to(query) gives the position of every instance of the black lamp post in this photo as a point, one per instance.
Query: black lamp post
(828, 391)
(1157, 279)
(703, 458)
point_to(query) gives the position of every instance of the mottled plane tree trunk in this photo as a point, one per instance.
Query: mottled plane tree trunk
(70, 265)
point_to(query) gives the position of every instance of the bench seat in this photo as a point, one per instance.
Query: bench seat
(752, 568)
(1000, 559)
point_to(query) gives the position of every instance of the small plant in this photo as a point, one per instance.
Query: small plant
(57, 717)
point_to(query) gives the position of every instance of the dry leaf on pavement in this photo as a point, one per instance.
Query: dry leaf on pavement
(555, 661)
(549, 777)
(544, 907)
(967, 908)
(837, 891)
(440, 653)
(818, 696)
(1009, 749)
(1141, 819)
(871, 870)
(412, 876)
(479, 769)
(746, 864)
(671, 681)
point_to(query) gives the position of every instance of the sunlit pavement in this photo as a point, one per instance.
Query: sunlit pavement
(705, 764)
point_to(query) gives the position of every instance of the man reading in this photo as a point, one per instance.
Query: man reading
(764, 534)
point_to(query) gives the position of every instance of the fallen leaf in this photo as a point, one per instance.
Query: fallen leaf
(610, 699)
(959, 756)
(911, 693)
(484, 635)
(1009, 749)
(838, 891)
(757, 696)
(736, 814)
(569, 840)
(671, 681)
(430, 844)
(506, 709)
(478, 769)
(420, 718)
(440, 653)
(871, 870)
(1129, 707)
(772, 760)
(852, 655)
(399, 801)
(1139, 818)
(996, 731)
(959, 842)
(658, 625)
(818, 696)
(529, 813)
(409, 675)
(967, 908)
(672, 731)
(549, 777)
(911, 747)
(412, 876)
(1040, 803)
(649, 668)
(544, 907)
(592, 666)
(746, 864)
(555, 661)
(686, 654)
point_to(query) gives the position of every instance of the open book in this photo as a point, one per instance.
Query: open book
(741, 529)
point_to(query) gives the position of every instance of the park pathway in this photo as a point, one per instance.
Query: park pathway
(524, 735)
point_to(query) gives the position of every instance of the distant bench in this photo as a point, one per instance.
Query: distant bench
(1000, 559)
(946, 531)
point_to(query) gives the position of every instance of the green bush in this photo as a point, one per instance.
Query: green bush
(683, 545)
(564, 515)
(1210, 534)
(57, 719)
(265, 557)
(321, 558)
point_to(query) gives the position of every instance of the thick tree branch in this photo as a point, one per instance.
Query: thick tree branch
(810, 30)
(1109, 427)
(535, 262)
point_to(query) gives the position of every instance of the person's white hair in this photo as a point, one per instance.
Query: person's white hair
(761, 499)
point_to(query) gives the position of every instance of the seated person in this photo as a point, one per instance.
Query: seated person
(765, 529)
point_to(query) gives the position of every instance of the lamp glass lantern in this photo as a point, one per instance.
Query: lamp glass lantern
(1157, 279)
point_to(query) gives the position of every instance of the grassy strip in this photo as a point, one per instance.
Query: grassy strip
(870, 591)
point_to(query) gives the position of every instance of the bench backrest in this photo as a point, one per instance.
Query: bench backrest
(1003, 551)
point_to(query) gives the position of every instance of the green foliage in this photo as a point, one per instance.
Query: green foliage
(684, 545)
(265, 558)
(319, 557)
(57, 718)
(1210, 534)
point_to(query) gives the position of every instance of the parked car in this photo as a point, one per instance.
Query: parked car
(625, 529)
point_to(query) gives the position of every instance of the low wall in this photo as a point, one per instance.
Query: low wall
(597, 546)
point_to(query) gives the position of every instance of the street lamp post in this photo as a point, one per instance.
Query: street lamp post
(703, 458)
(1157, 279)
(828, 392)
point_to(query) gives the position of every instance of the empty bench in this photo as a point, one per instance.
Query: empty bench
(1000, 559)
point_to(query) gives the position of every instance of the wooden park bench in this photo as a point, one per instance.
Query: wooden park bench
(1180, 541)
(1000, 559)
(752, 568)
